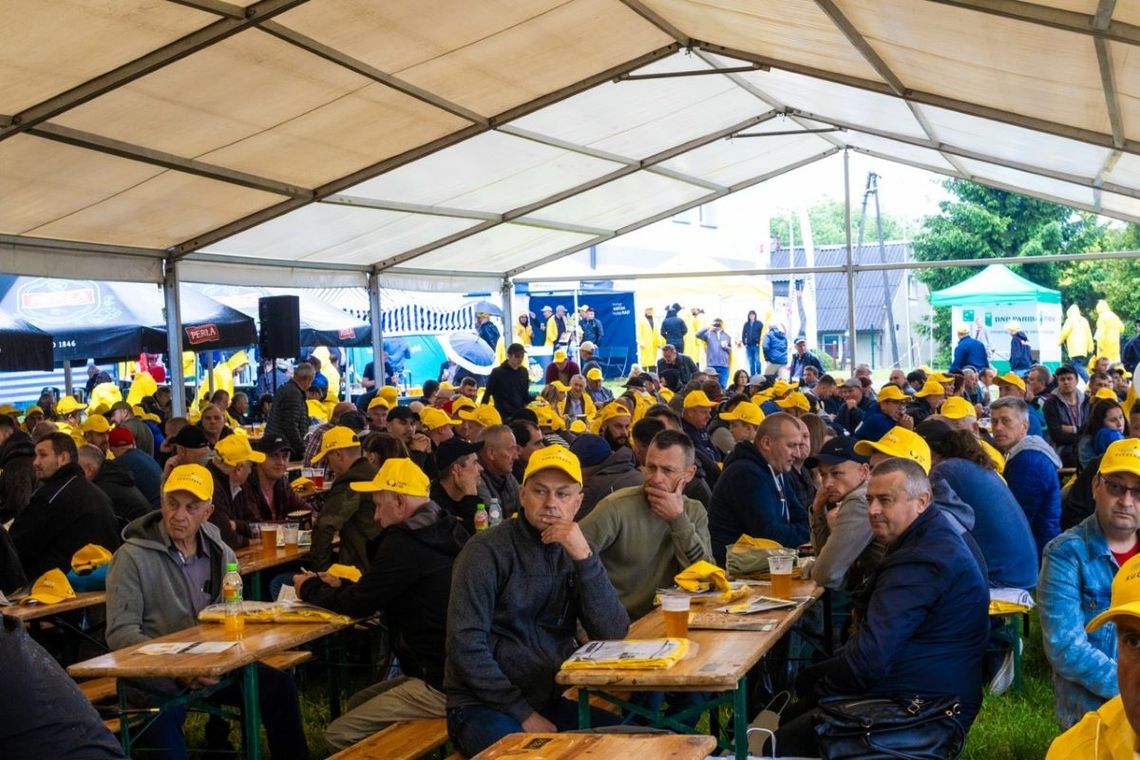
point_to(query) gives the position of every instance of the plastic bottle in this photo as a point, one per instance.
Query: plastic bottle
(495, 512)
(481, 517)
(231, 595)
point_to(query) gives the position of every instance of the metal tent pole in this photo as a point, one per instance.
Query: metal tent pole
(170, 282)
(852, 333)
(374, 317)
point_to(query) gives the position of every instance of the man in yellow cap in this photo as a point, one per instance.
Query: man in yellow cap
(64, 514)
(1112, 732)
(696, 415)
(927, 400)
(1077, 574)
(344, 511)
(562, 367)
(577, 404)
(743, 420)
(614, 422)
(409, 584)
(501, 666)
(751, 496)
(169, 569)
(230, 467)
(377, 413)
(95, 429)
(599, 393)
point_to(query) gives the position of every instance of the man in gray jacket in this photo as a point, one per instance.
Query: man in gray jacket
(845, 548)
(518, 592)
(168, 569)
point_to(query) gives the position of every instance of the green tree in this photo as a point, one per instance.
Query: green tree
(828, 225)
(984, 223)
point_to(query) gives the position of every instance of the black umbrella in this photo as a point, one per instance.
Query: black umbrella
(23, 347)
(114, 320)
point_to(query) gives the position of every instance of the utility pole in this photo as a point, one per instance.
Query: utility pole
(872, 189)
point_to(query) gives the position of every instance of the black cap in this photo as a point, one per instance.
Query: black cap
(354, 421)
(635, 382)
(836, 451)
(192, 437)
(402, 413)
(934, 432)
(451, 450)
(271, 443)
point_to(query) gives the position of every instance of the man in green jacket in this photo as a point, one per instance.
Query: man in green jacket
(647, 534)
(344, 510)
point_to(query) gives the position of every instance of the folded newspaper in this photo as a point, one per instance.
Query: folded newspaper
(275, 612)
(628, 654)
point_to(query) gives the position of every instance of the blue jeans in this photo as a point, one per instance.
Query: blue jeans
(722, 373)
(1080, 364)
(753, 354)
(473, 728)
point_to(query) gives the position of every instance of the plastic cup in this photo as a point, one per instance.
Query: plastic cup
(319, 477)
(292, 531)
(307, 472)
(269, 539)
(675, 609)
(254, 534)
(780, 568)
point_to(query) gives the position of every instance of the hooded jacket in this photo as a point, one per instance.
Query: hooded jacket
(1102, 735)
(1020, 354)
(117, 482)
(65, 514)
(970, 352)
(17, 475)
(289, 415)
(673, 330)
(1031, 474)
(147, 592)
(350, 513)
(513, 615)
(409, 583)
(1075, 333)
(1058, 413)
(619, 470)
(747, 500)
(927, 624)
(776, 346)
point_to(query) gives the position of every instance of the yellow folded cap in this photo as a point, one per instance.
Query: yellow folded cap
(757, 543)
(347, 572)
(89, 558)
(50, 588)
(703, 576)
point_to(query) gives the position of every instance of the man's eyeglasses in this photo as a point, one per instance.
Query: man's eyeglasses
(1117, 489)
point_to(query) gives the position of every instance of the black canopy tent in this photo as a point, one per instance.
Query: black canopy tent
(322, 324)
(22, 346)
(115, 320)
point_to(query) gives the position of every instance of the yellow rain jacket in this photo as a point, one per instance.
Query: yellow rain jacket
(1108, 330)
(1101, 735)
(330, 372)
(692, 345)
(524, 333)
(649, 343)
(1075, 333)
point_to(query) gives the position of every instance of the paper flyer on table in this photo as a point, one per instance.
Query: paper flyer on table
(187, 647)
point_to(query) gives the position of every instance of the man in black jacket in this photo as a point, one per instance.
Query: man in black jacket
(508, 387)
(290, 412)
(409, 584)
(65, 514)
(114, 480)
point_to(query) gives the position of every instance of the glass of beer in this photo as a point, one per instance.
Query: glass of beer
(780, 567)
(269, 539)
(675, 608)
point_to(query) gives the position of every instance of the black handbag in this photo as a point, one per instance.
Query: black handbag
(890, 728)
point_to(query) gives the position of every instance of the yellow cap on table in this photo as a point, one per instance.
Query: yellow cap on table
(235, 449)
(89, 558)
(554, 458)
(398, 475)
(338, 437)
(193, 478)
(50, 588)
(898, 442)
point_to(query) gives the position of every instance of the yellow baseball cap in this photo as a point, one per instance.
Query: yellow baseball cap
(1011, 379)
(593, 373)
(560, 385)
(460, 403)
(379, 400)
(33, 409)
(446, 386)
(544, 414)
(577, 427)
(389, 393)
(398, 475)
(612, 411)
(698, 398)
(433, 419)
(484, 414)
(898, 442)
(50, 588)
(8, 409)
(96, 424)
(1121, 456)
(68, 405)
(1125, 592)
(963, 330)
(761, 397)
(338, 437)
(794, 400)
(554, 458)
(956, 407)
(89, 558)
(941, 377)
(931, 388)
(1106, 394)
(193, 478)
(783, 386)
(891, 392)
(235, 449)
(560, 355)
(745, 411)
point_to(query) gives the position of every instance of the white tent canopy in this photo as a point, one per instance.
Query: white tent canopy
(464, 143)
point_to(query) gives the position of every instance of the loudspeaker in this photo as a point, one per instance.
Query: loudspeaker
(280, 318)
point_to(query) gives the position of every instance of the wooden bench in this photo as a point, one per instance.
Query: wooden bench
(406, 740)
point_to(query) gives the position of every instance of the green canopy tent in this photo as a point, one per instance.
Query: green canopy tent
(987, 302)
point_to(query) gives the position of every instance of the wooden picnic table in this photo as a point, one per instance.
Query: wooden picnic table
(718, 662)
(251, 559)
(599, 746)
(82, 600)
(260, 640)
